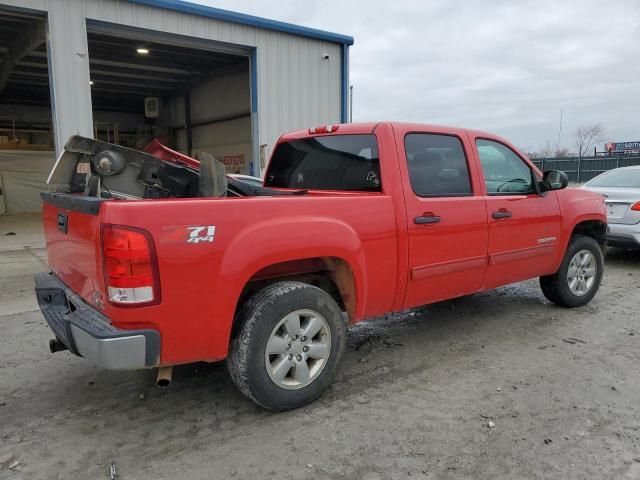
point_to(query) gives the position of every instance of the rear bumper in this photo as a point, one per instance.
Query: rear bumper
(88, 333)
(620, 235)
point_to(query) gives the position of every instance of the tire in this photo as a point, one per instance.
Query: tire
(565, 288)
(267, 319)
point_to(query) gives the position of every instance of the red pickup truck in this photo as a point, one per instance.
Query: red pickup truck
(151, 267)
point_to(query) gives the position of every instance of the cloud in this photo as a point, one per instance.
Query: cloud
(502, 66)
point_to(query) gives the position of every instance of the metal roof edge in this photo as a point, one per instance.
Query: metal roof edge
(244, 19)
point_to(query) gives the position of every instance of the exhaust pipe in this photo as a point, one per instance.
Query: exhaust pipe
(164, 376)
(56, 345)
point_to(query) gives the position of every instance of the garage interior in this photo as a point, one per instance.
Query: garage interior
(192, 99)
(26, 133)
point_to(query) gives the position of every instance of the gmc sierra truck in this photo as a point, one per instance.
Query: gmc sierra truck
(158, 260)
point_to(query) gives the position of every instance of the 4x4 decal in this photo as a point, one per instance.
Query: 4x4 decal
(204, 233)
(188, 234)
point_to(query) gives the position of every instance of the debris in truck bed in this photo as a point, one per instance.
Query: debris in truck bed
(105, 170)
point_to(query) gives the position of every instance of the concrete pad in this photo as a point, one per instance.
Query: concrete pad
(19, 231)
(22, 255)
(17, 269)
(412, 399)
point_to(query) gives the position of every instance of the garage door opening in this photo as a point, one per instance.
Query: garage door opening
(26, 133)
(191, 99)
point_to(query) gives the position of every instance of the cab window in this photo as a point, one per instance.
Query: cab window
(504, 171)
(437, 165)
(332, 162)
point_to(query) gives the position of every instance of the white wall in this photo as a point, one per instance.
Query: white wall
(22, 177)
(219, 98)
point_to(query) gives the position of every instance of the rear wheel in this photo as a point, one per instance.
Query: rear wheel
(577, 280)
(289, 339)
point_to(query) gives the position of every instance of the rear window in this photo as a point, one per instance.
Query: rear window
(335, 162)
(617, 178)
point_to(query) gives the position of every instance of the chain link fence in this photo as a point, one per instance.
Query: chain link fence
(580, 170)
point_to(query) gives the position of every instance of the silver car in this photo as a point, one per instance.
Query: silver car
(621, 189)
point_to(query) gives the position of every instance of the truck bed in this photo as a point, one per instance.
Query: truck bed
(202, 280)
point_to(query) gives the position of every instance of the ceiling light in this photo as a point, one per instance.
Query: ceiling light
(142, 51)
(90, 82)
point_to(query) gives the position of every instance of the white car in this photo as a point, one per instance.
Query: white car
(621, 189)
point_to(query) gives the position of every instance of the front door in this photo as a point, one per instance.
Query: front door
(524, 224)
(446, 217)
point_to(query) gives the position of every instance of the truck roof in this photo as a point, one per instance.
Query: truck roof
(369, 127)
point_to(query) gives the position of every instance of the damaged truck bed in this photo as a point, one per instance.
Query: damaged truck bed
(104, 170)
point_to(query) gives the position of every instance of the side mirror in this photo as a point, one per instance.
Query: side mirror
(555, 180)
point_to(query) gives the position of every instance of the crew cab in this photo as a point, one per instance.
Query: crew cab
(158, 260)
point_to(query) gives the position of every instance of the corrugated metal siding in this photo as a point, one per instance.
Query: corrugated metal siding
(297, 88)
(32, 4)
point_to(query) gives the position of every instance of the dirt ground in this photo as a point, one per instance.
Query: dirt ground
(413, 398)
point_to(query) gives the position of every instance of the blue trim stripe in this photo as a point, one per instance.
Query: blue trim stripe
(244, 19)
(254, 166)
(253, 65)
(344, 80)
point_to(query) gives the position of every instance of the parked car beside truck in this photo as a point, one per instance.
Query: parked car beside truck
(621, 190)
(149, 268)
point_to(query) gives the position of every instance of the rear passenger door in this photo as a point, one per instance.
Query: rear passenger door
(524, 224)
(446, 215)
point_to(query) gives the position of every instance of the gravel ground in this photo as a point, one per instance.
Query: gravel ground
(496, 385)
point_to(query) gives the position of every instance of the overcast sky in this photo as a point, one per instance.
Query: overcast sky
(502, 66)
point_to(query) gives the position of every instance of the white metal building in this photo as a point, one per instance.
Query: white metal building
(126, 71)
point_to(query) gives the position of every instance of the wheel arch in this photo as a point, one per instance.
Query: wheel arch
(594, 228)
(589, 226)
(299, 247)
(332, 274)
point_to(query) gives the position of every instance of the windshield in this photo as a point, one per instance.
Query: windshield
(629, 178)
(334, 162)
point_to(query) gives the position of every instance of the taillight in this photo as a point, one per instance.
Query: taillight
(636, 207)
(324, 129)
(130, 266)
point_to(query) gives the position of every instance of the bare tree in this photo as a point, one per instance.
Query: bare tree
(529, 152)
(586, 136)
(547, 150)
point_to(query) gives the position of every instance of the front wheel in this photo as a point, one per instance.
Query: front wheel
(289, 339)
(579, 276)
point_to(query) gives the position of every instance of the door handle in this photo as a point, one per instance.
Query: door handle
(426, 220)
(502, 213)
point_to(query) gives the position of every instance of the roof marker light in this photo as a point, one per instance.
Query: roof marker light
(324, 129)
